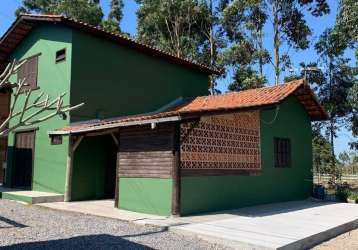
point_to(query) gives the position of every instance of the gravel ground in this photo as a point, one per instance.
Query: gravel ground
(347, 241)
(31, 227)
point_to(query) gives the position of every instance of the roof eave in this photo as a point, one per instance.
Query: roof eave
(116, 125)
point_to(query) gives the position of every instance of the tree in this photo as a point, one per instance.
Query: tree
(346, 33)
(344, 157)
(287, 19)
(321, 154)
(242, 22)
(33, 110)
(213, 40)
(346, 27)
(173, 25)
(353, 116)
(88, 11)
(115, 15)
(334, 83)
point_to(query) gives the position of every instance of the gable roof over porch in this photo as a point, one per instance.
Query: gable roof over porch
(214, 104)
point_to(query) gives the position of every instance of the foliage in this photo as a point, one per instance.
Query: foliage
(343, 191)
(88, 11)
(246, 78)
(333, 83)
(115, 15)
(322, 154)
(245, 19)
(173, 26)
(242, 23)
(353, 196)
(353, 117)
(346, 27)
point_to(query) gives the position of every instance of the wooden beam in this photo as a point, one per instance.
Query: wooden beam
(69, 172)
(77, 143)
(72, 146)
(304, 97)
(115, 139)
(176, 172)
(116, 191)
(103, 132)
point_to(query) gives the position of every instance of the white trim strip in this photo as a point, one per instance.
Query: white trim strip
(116, 125)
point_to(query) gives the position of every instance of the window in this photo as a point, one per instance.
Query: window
(28, 71)
(282, 152)
(61, 55)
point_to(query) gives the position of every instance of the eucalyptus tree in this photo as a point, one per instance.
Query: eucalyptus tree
(286, 19)
(335, 83)
(346, 32)
(214, 40)
(242, 23)
(115, 15)
(347, 24)
(173, 25)
(184, 28)
(88, 11)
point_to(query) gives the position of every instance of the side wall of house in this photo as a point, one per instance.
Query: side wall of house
(115, 80)
(49, 160)
(212, 193)
(4, 111)
(145, 165)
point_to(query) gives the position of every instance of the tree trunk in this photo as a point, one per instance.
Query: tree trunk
(212, 49)
(331, 131)
(276, 42)
(331, 120)
(260, 59)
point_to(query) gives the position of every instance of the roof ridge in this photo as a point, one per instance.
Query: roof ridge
(298, 82)
(213, 70)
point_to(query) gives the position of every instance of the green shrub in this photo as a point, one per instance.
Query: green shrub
(343, 191)
(353, 196)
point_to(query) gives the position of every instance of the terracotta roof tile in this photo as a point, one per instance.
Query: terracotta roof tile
(253, 98)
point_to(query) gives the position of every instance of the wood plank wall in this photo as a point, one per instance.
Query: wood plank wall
(4, 111)
(146, 152)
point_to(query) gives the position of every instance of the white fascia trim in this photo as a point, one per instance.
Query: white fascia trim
(117, 125)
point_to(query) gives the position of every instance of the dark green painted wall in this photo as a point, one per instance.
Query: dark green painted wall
(146, 195)
(94, 169)
(114, 80)
(53, 79)
(213, 193)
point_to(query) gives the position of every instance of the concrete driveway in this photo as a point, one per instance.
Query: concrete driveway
(291, 225)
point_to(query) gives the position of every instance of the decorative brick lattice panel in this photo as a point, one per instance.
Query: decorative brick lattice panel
(229, 141)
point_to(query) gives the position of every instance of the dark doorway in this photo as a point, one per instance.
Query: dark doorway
(94, 169)
(23, 160)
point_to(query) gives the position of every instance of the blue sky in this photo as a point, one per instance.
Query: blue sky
(7, 8)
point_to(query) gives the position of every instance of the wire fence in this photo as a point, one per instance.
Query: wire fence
(325, 178)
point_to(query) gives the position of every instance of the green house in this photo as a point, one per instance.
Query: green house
(148, 135)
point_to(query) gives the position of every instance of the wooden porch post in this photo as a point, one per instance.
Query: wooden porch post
(116, 192)
(176, 172)
(72, 146)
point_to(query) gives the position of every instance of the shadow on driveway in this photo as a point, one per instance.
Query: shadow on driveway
(11, 223)
(100, 241)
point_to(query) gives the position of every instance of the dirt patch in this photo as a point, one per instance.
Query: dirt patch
(345, 241)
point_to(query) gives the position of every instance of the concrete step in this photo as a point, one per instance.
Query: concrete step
(32, 197)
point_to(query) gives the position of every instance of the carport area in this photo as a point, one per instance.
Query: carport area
(289, 225)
